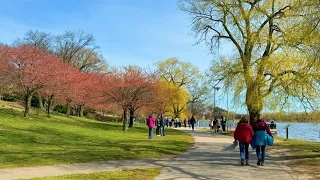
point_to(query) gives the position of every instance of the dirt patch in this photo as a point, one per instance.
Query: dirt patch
(296, 165)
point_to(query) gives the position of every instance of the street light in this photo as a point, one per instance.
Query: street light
(215, 88)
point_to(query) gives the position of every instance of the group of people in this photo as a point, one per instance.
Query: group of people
(177, 122)
(255, 134)
(215, 125)
(161, 122)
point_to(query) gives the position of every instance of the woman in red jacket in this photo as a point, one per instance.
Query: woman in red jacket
(244, 134)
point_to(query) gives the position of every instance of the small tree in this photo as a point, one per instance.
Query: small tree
(128, 88)
(178, 75)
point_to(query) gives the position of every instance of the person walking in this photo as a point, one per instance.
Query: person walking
(211, 124)
(223, 123)
(192, 122)
(243, 134)
(158, 126)
(162, 124)
(166, 120)
(215, 124)
(150, 123)
(261, 130)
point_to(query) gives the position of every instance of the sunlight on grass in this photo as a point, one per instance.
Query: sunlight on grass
(135, 174)
(301, 155)
(39, 140)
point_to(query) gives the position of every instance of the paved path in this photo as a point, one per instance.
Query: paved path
(205, 160)
(208, 160)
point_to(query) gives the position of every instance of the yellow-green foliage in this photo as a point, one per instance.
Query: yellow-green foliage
(178, 98)
(178, 75)
(276, 45)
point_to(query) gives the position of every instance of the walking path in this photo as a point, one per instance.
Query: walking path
(205, 160)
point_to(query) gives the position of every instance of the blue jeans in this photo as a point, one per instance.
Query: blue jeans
(150, 133)
(261, 152)
(244, 150)
(162, 132)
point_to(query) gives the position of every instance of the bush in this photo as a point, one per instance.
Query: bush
(11, 97)
(102, 118)
(61, 109)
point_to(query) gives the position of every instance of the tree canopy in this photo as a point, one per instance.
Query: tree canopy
(275, 48)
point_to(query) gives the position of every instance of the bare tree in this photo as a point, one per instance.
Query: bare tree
(38, 39)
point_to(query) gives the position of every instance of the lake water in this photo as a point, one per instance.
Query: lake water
(303, 131)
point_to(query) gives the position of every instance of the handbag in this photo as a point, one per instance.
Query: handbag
(269, 140)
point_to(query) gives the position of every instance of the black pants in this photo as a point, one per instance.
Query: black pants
(192, 126)
(223, 127)
(158, 130)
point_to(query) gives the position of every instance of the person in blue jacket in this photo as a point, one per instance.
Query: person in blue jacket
(261, 129)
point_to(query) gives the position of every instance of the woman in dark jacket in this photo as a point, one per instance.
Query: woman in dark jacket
(260, 132)
(192, 122)
(243, 134)
(158, 124)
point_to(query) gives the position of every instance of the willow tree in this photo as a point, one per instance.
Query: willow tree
(178, 75)
(274, 43)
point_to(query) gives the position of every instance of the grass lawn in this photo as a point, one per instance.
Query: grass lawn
(135, 174)
(298, 155)
(39, 140)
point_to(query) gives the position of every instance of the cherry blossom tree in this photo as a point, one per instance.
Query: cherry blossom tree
(30, 69)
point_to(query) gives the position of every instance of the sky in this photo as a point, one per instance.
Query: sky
(139, 32)
(136, 32)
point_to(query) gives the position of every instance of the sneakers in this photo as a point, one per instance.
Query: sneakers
(247, 162)
(259, 162)
(262, 164)
(242, 162)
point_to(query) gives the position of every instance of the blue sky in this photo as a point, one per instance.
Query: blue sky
(138, 32)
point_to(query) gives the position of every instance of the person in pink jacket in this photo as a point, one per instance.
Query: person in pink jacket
(150, 123)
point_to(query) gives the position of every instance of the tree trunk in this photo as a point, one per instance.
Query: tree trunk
(131, 117)
(176, 111)
(68, 106)
(49, 105)
(124, 120)
(40, 101)
(78, 108)
(27, 106)
(81, 109)
(254, 101)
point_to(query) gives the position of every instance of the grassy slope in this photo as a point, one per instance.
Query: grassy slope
(39, 140)
(136, 174)
(298, 155)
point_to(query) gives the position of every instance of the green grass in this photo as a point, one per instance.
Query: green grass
(136, 174)
(39, 140)
(300, 150)
(300, 155)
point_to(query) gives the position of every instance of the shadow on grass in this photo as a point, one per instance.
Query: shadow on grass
(43, 141)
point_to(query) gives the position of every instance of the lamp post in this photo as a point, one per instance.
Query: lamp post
(215, 88)
(227, 118)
